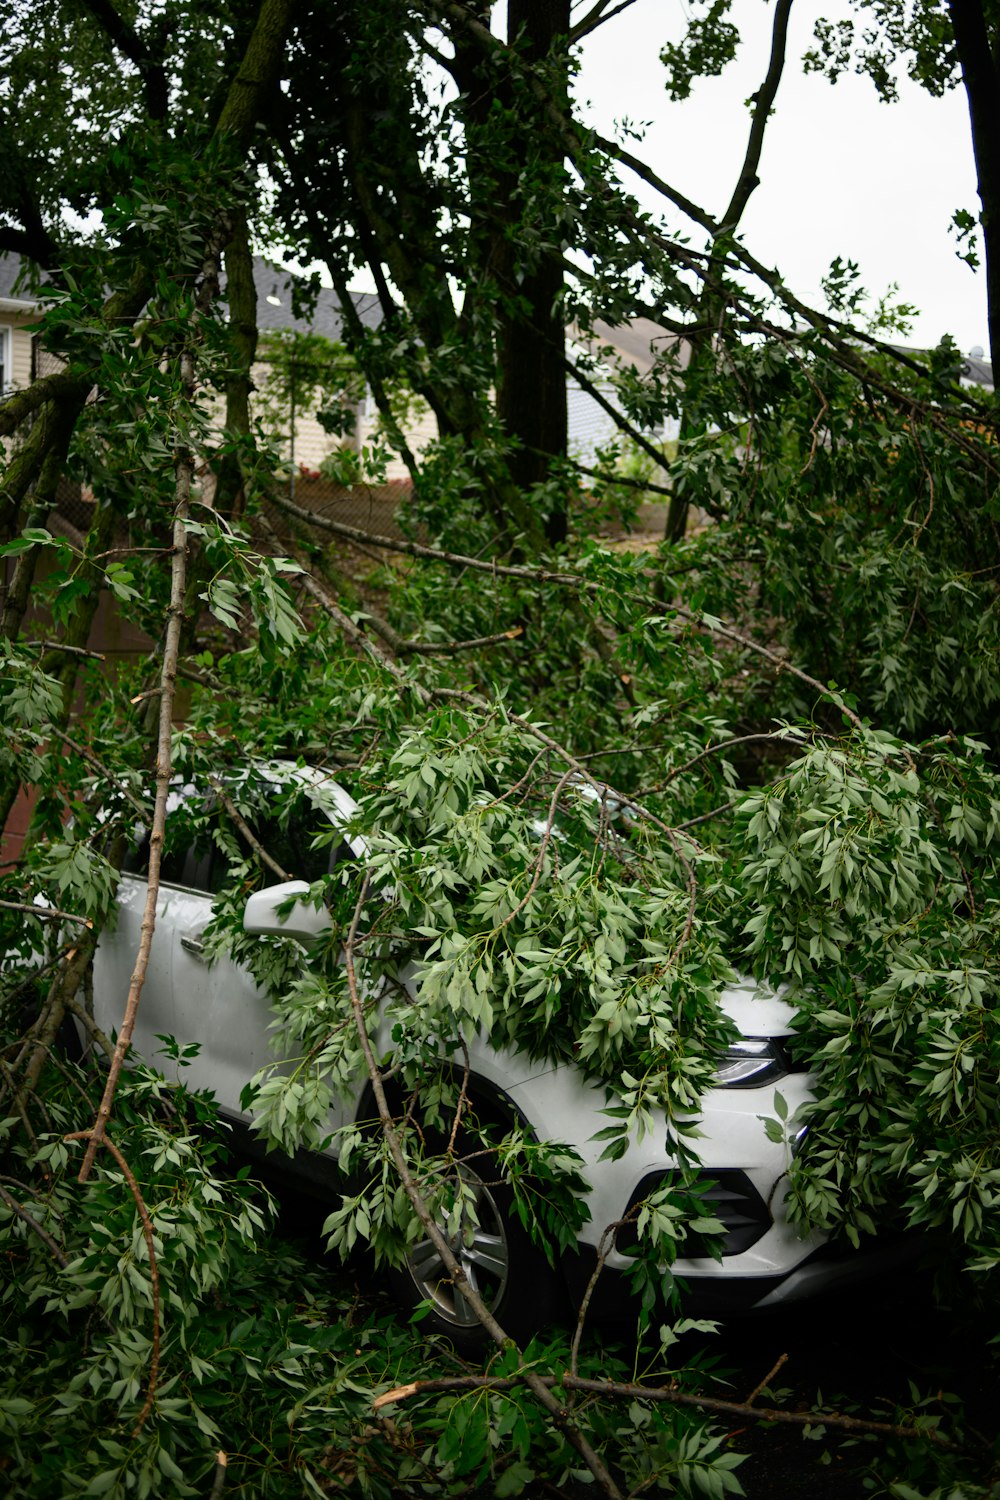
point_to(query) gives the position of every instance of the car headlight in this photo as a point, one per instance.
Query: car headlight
(751, 1062)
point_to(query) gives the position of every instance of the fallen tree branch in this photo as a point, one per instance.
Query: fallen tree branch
(568, 580)
(538, 1385)
(626, 1391)
(184, 468)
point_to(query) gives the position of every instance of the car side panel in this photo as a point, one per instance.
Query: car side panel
(115, 960)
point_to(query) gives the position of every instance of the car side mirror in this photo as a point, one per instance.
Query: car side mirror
(263, 913)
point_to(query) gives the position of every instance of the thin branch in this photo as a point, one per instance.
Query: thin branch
(87, 1021)
(184, 466)
(353, 632)
(50, 913)
(605, 1246)
(778, 1363)
(670, 1395)
(620, 420)
(625, 481)
(103, 769)
(703, 817)
(245, 831)
(62, 648)
(36, 1228)
(539, 860)
(720, 748)
(597, 16)
(763, 102)
(403, 647)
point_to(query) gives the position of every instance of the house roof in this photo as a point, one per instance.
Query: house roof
(977, 370)
(274, 304)
(10, 270)
(638, 342)
(274, 300)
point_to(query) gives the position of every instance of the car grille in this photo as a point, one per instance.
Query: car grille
(727, 1195)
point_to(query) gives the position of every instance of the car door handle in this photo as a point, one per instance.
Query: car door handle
(194, 946)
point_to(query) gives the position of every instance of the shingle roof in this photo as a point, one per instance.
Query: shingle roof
(327, 318)
(270, 281)
(10, 270)
(979, 371)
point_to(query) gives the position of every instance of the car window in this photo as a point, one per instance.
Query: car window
(203, 866)
(289, 843)
(186, 866)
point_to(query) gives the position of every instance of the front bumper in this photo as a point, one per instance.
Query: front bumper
(725, 1294)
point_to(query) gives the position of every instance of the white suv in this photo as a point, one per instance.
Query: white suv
(216, 1004)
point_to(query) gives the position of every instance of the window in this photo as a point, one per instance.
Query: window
(6, 359)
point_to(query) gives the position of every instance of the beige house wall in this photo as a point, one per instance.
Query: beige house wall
(313, 443)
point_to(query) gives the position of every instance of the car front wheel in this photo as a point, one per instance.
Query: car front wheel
(477, 1216)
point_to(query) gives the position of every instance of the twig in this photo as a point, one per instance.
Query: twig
(781, 1359)
(68, 650)
(720, 748)
(703, 817)
(604, 1247)
(540, 857)
(463, 1097)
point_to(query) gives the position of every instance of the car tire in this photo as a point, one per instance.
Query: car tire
(510, 1273)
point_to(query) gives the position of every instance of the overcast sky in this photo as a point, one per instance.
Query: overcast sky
(841, 174)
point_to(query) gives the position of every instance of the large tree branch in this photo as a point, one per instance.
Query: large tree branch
(257, 73)
(63, 384)
(763, 102)
(130, 44)
(596, 16)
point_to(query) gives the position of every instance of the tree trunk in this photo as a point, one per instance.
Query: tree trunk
(979, 58)
(531, 368)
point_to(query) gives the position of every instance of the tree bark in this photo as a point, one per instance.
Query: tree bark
(979, 59)
(531, 343)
